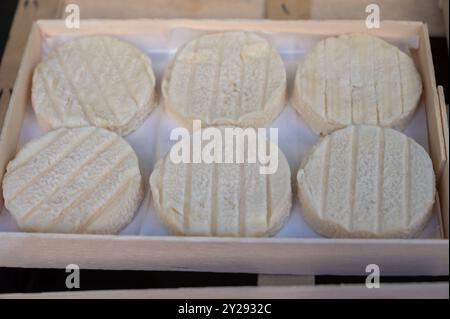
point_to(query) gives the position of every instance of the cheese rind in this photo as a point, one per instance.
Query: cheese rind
(367, 181)
(221, 199)
(356, 79)
(80, 180)
(94, 80)
(229, 78)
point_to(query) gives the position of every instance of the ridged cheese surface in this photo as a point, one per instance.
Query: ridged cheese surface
(356, 79)
(230, 78)
(221, 199)
(94, 80)
(367, 181)
(81, 180)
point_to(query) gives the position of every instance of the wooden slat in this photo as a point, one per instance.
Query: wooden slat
(436, 142)
(444, 118)
(213, 9)
(252, 255)
(395, 291)
(288, 9)
(413, 10)
(443, 183)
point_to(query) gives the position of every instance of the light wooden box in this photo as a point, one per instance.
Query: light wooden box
(253, 255)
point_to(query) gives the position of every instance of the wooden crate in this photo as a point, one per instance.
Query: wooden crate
(254, 255)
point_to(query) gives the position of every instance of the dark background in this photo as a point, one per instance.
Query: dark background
(7, 9)
(38, 280)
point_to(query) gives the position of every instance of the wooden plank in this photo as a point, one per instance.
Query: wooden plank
(389, 291)
(413, 10)
(212, 9)
(288, 9)
(436, 142)
(299, 256)
(443, 184)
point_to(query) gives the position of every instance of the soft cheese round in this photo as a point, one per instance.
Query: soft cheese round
(356, 79)
(94, 80)
(79, 180)
(222, 199)
(229, 78)
(367, 181)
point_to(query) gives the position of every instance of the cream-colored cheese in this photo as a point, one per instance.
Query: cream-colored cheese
(95, 80)
(80, 180)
